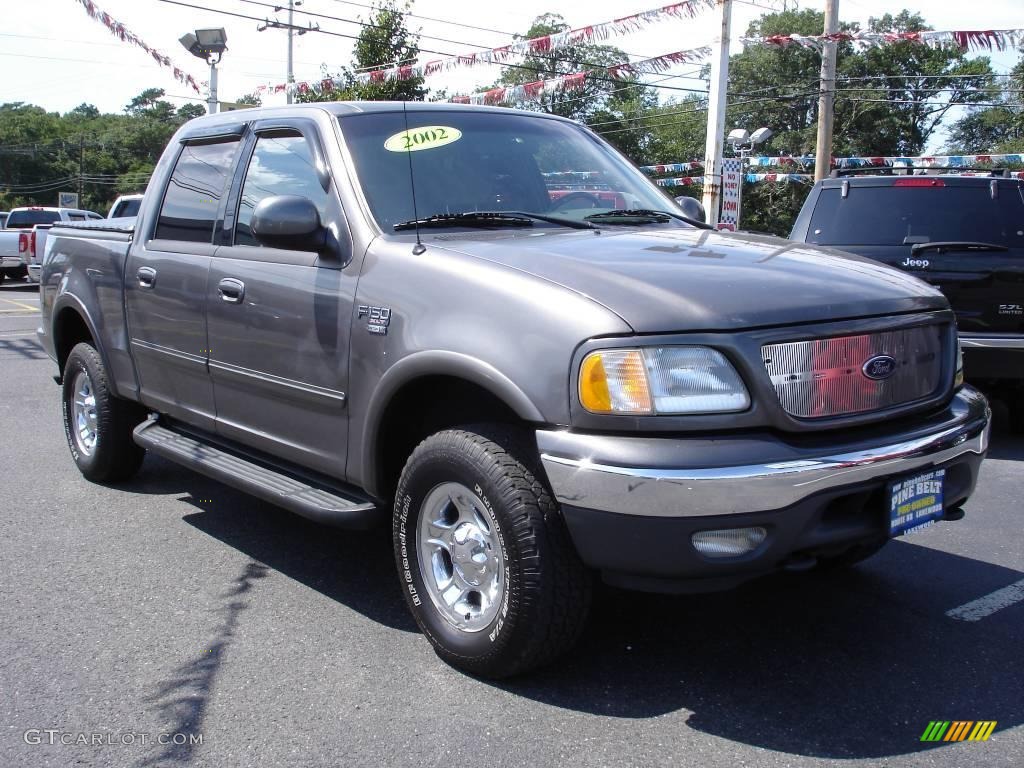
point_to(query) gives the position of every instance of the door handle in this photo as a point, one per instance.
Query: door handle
(146, 276)
(232, 291)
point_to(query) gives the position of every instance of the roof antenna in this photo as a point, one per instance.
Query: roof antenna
(419, 247)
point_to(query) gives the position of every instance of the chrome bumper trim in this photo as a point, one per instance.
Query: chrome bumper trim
(671, 492)
(992, 342)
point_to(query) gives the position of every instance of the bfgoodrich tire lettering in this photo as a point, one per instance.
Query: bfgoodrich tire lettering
(546, 589)
(108, 453)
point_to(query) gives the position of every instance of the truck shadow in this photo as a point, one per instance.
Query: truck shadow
(849, 665)
(26, 348)
(356, 568)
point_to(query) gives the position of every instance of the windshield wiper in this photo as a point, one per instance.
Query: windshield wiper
(561, 221)
(467, 219)
(957, 245)
(645, 213)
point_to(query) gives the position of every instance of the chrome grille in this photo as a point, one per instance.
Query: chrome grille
(825, 377)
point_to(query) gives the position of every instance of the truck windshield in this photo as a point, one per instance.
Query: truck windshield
(465, 162)
(898, 215)
(28, 219)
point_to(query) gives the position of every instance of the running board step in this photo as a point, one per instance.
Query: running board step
(332, 507)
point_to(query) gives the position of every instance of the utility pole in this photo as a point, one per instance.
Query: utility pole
(291, 25)
(714, 139)
(293, 29)
(211, 102)
(826, 99)
(81, 170)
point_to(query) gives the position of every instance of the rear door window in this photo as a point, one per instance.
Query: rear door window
(281, 164)
(898, 215)
(199, 181)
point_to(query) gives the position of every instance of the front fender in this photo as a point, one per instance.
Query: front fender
(436, 363)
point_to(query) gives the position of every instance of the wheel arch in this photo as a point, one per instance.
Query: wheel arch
(456, 388)
(72, 325)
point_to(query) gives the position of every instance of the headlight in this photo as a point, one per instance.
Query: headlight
(660, 380)
(958, 380)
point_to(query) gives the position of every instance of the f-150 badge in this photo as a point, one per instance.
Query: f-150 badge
(377, 318)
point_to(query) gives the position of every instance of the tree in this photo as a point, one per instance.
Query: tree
(42, 152)
(993, 129)
(894, 97)
(384, 41)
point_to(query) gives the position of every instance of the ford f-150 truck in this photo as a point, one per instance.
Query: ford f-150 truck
(374, 313)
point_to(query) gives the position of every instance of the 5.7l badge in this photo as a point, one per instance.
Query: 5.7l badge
(377, 318)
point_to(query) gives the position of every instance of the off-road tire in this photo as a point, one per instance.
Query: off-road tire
(115, 456)
(547, 588)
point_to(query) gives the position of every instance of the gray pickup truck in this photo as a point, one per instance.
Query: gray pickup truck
(489, 330)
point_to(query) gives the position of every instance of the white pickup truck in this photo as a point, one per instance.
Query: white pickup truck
(15, 239)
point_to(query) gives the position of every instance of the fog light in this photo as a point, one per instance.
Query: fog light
(729, 542)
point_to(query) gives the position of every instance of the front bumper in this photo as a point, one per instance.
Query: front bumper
(35, 271)
(632, 504)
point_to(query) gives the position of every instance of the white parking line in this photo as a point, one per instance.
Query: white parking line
(989, 604)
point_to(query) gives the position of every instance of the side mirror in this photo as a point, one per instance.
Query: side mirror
(290, 222)
(691, 208)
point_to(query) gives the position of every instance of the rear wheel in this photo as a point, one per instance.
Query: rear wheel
(98, 425)
(483, 554)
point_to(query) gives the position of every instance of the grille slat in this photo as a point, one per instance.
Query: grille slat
(819, 378)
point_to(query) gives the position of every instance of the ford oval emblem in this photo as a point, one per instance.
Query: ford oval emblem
(879, 367)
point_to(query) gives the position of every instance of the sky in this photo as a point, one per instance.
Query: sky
(54, 55)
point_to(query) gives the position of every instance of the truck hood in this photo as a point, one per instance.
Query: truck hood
(664, 280)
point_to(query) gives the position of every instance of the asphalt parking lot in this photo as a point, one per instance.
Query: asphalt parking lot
(176, 606)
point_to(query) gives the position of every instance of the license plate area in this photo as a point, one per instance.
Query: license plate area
(915, 501)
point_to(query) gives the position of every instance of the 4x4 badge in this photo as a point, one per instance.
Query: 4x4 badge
(377, 318)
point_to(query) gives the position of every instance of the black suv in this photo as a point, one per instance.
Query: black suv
(962, 233)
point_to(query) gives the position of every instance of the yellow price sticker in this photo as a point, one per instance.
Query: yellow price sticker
(427, 137)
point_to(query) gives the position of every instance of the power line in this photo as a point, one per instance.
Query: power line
(426, 50)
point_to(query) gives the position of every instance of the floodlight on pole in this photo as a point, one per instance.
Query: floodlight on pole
(743, 143)
(208, 45)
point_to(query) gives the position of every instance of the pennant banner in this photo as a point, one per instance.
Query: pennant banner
(124, 34)
(928, 161)
(535, 90)
(536, 46)
(975, 40)
(540, 45)
(750, 178)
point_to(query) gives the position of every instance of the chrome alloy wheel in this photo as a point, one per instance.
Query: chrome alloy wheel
(83, 413)
(460, 558)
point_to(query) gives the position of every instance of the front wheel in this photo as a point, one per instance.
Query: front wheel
(98, 425)
(483, 554)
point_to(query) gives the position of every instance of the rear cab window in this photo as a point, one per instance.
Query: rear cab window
(918, 209)
(198, 183)
(28, 219)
